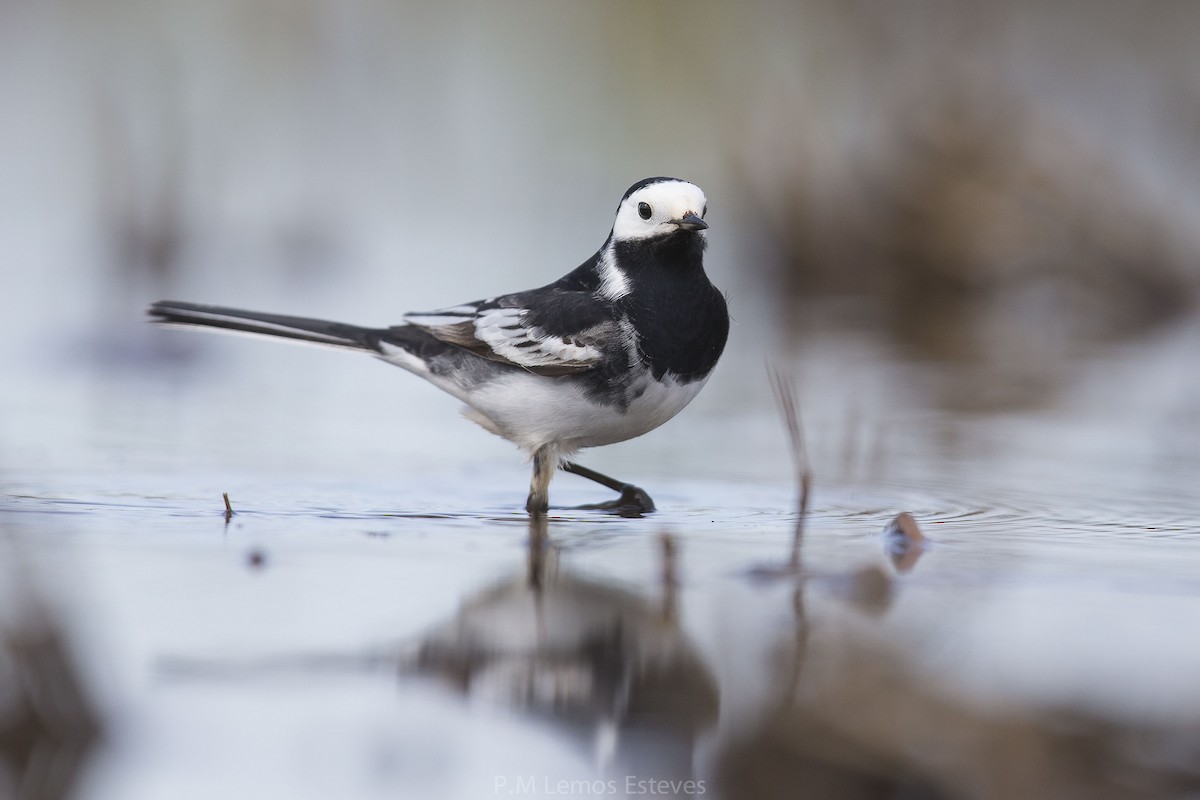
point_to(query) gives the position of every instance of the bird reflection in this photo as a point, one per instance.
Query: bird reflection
(849, 713)
(608, 667)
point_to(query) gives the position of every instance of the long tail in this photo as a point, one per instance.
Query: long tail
(303, 329)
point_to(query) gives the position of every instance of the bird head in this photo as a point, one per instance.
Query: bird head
(658, 207)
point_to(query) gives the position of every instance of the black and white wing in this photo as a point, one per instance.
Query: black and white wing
(548, 331)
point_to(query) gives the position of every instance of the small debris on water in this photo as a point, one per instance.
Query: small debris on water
(903, 541)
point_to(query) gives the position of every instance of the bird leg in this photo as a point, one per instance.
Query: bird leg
(633, 502)
(544, 462)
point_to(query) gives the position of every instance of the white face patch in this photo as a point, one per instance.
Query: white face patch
(667, 202)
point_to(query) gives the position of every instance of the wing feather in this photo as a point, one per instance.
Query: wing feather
(549, 331)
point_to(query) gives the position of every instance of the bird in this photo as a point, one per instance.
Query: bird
(610, 351)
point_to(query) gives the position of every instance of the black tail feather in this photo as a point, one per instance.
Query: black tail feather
(303, 329)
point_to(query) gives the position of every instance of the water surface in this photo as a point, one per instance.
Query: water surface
(379, 619)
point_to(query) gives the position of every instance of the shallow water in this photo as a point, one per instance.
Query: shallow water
(379, 619)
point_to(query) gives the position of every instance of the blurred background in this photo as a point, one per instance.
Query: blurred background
(970, 231)
(941, 159)
(998, 186)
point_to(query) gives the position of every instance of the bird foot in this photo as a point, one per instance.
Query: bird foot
(633, 503)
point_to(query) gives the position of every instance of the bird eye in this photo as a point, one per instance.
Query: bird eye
(704, 211)
(644, 210)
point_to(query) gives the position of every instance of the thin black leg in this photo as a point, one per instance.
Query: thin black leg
(633, 502)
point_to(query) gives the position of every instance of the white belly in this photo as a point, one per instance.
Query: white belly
(533, 411)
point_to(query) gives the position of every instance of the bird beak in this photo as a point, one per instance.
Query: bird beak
(691, 222)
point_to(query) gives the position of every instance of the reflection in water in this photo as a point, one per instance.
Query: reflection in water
(853, 718)
(850, 715)
(845, 709)
(607, 668)
(48, 726)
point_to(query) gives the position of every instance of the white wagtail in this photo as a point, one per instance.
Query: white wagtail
(610, 351)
